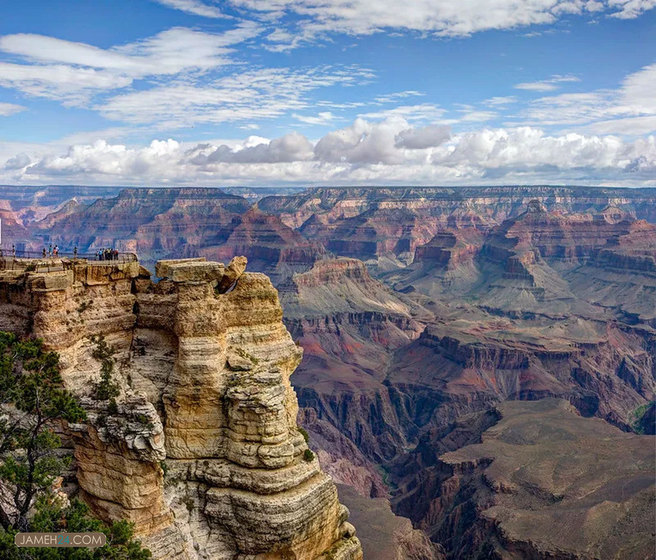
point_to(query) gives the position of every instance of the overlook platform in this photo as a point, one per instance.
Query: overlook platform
(32, 261)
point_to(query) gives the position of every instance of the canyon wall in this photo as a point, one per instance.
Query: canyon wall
(533, 479)
(200, 447)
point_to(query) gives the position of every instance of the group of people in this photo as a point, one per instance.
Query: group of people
(52, 251)
(101, 254)
(107, 254)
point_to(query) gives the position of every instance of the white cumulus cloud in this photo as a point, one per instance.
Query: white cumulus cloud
(389, 152)
(421, 138)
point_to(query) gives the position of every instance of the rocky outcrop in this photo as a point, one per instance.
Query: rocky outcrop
(200, 447)
(270, 246)
(449, 249)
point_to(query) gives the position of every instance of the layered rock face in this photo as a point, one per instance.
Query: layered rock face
(349, 325)
(391, 223)
(270, 246)
(201, 449)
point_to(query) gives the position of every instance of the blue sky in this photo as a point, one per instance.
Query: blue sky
(328, 92)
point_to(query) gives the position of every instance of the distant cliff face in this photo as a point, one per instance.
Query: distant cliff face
(200, 448)
(281, 234)
(172, 222)
(370, 223)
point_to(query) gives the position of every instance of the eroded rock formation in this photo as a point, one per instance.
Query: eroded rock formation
(200, 448)
(541, 482)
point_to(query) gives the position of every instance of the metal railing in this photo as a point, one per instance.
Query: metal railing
(102, 257)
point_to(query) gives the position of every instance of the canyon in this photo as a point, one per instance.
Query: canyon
(444, 331)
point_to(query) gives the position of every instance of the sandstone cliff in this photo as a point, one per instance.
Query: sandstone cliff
(200, 448)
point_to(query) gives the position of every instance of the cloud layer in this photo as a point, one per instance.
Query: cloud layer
(385, 152)
(253, 94)
(301, 21)
(73, 72)
(184, 81)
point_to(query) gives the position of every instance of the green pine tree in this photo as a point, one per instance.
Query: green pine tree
(33, 404)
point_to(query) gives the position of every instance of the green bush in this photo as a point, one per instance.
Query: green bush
(106, 388)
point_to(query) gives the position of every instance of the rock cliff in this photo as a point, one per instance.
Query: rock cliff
(200, 446)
